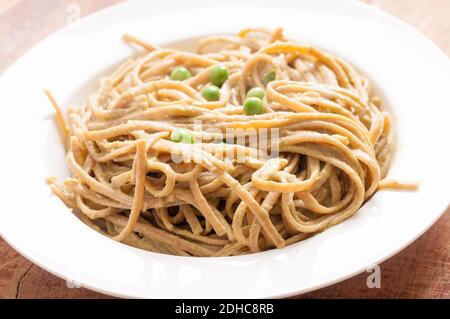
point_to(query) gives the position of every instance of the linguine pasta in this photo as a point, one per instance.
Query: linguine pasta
(163, 160)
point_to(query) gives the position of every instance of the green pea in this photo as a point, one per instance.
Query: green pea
(270, 76)
(256, 92)
(180, 135)
(253, 106)
(219, 74)
(180, 74)
(211, 93)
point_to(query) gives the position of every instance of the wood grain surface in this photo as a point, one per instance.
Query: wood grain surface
(422, 270)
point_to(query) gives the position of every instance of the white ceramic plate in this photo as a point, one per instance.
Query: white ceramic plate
(412, 73)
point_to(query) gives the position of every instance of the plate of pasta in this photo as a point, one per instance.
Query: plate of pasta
(258, 152)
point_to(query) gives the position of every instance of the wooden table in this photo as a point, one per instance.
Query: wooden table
(420, 271)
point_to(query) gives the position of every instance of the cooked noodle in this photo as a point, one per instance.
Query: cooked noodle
(131, 181)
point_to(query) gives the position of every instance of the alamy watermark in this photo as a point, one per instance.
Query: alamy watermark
(374, 279)
(73, 12)
(70, 282)
(236, 145)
